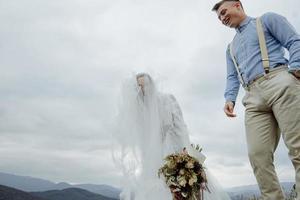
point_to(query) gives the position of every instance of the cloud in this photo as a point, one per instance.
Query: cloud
(62, 64)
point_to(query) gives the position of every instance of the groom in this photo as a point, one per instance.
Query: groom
(255, 59)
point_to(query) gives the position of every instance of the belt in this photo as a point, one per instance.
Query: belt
(276, 68)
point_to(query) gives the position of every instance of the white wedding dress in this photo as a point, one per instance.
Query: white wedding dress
(150, 127)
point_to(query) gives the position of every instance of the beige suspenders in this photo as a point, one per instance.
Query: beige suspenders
(262, 45)
(240, 77)
(263, 49)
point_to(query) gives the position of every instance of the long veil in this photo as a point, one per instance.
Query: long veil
(148, 127)
(138, 150)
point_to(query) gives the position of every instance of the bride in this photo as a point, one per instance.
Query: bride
(149, 127)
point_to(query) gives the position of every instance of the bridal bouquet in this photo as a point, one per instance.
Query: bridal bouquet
(184, 175)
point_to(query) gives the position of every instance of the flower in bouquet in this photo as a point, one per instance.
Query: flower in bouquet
(184, 175)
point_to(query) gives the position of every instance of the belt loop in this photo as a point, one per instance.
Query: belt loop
(267, 70)
(246, 87)
(267, 75)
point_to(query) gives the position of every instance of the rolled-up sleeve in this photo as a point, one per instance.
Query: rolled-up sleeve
(232, 81)
(286, 34)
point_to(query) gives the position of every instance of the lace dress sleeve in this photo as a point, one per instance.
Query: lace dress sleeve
(176, 133)
(174, 128)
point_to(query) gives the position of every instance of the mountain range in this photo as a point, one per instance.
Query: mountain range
(40, 189)
(9, 193)
(70, 194)
(30, 184)
(249, 191)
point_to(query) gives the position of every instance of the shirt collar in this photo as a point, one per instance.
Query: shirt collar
(244, 24)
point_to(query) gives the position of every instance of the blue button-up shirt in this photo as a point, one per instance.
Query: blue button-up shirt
(279, 34)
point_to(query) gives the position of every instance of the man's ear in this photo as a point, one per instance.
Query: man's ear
(237, 5)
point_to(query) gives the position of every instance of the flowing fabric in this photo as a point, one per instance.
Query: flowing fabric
(149, 127)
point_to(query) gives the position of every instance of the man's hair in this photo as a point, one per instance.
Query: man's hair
(217, 5)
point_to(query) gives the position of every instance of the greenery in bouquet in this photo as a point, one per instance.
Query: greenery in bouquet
(184, 175)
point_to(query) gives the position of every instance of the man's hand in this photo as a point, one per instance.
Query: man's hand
(296, 73)
(228, 109)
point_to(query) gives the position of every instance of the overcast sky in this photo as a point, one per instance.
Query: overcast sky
(62, 63)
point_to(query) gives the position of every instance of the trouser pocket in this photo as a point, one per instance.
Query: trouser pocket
(297, 80)
(244, 100)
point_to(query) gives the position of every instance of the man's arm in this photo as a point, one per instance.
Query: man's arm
(232, 86)
(286, 34)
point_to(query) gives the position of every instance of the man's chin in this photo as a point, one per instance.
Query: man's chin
(232, 25)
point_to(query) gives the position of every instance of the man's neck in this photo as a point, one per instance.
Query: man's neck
(243, 17)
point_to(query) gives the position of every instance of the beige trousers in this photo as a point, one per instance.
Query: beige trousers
(273, 108)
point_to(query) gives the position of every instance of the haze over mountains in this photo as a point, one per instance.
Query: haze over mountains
(249, 191)
(9, 193)
(30, 184)
(15, 187)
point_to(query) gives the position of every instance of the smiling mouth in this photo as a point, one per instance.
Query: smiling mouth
(227, 21)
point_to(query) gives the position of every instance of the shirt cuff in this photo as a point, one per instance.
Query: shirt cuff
(294, 68)
(230, 99)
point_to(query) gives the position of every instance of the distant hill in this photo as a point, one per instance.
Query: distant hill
(105, 190)
(30, 184)
(245, 192)
(25, 183)
(8, 193)
(70, 194)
